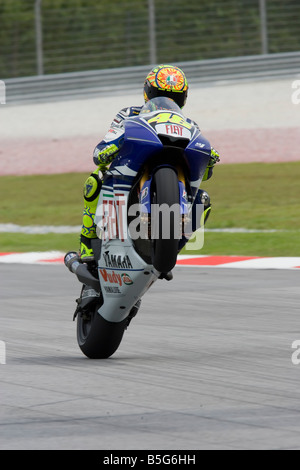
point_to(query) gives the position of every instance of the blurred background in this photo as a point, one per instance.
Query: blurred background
(58, 36)
(70, 65)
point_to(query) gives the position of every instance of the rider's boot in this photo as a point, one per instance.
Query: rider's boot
(203, 199)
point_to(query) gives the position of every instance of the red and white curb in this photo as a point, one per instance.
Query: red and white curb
(242, 262)
(39, 257)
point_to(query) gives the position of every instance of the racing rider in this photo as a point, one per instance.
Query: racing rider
(162, 80)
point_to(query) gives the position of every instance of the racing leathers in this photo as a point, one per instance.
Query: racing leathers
(104, 154)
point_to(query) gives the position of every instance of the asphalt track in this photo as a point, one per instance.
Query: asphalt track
(206, 364)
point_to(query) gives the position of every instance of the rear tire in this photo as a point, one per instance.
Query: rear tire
(165, 190)
(97, 337)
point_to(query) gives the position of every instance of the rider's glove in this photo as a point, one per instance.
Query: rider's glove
(106, 154)
(214, 158)
(108, 149)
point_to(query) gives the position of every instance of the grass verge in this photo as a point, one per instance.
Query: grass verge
(253, 196)
(248, 244)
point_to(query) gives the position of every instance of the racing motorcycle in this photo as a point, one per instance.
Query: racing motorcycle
(143, 220)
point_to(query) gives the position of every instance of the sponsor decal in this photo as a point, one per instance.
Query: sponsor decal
(144, 193)
(88, 188)
(174, 130)
(117, 261)
(112, 278)
(112, 290)
(116, 278)
(126, 279)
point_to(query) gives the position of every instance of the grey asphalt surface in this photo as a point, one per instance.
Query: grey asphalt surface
(206, 364)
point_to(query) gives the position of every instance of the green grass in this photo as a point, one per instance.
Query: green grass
(42, 199)
(19, 242)
(254, 196)
(250, 244)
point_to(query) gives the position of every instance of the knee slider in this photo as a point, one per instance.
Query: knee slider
(92, 187)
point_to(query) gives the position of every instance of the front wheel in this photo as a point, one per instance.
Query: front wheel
(166, 224)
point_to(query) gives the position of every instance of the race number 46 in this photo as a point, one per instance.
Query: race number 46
(2, 352)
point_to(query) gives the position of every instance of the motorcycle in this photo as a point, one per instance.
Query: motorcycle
(143, 212)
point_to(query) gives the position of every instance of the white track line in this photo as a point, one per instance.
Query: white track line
(42, 229)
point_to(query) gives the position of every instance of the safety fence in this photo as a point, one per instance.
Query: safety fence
(46, 37)
(130, 79)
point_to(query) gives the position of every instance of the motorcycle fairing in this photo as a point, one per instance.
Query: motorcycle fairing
(123, 284)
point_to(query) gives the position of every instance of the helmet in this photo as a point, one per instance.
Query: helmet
(166, 80)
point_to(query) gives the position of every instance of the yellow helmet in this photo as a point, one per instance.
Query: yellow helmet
(166, 80)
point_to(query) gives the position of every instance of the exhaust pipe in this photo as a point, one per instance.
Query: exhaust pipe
(74, 264)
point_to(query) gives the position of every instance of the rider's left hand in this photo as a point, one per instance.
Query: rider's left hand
(214, 157)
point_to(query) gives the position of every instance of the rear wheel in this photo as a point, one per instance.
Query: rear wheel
(165, 220)
(97, 337)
